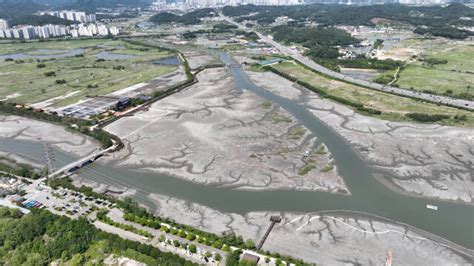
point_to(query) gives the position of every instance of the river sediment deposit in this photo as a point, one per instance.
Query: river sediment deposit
(203, 156)
(19, 128)
(426, 160)
(213, 134)
(324, 238)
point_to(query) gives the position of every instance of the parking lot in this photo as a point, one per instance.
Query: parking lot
(61, 201)
(89, 107)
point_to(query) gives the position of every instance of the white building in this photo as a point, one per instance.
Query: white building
(114, 31)
(8, 34)
(74, 33)
(15, 33)
(3, 24)
(42, 32)
(102, 30)
(217, 3)
(27, 32)
(77, 16)
(50, 31)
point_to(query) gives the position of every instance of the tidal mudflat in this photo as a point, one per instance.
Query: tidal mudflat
(426, 160)
(325, 238)
(15, 127)
(211, 133)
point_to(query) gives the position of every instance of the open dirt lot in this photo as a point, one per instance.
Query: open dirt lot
(212, 133)
(198, 58)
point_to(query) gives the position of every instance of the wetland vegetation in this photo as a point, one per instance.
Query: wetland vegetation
(98, 67)
(367, 101)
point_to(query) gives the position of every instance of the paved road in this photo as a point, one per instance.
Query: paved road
(403, 92)
(117, 216)
(154, 242)
(80, 161)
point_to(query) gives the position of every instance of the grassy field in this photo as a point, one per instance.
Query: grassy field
(455, 77)
(420, 78)
(393, 107)
(25, 80)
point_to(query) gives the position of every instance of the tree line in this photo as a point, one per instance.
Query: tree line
(321, 42)
(12, 167)
(41, 237)
(135, 213)
(438, 20)
(190, 18)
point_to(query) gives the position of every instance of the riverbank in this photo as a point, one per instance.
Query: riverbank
(326, 238)
(21, 128)
(424, 160)
(369, 196)
(212, 133)
(371, 102)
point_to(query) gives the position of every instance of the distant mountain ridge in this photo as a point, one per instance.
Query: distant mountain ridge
(18, 8)
(378, 2)
(13, 9)
(91, 5)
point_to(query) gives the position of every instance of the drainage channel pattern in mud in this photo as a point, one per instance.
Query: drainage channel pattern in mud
(452, 221)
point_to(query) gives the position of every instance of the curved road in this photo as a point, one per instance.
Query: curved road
(372, 85)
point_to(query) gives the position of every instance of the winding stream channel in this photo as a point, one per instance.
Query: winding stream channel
(370, 198)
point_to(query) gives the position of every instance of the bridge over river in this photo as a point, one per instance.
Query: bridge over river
(452, 224)
(81, 162)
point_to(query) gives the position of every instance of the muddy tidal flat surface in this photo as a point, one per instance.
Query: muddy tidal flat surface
(225, 155)
(19, 128)
(212, 133)
(426, 160)
(325, 238)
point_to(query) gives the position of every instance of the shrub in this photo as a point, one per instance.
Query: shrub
(176, 243)
(249, 244)
(190, 236)
(420, 117)
(182, 234)
(50, 74)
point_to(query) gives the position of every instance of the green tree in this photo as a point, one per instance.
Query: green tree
(182, 234)
(77, 260)
(192, 249)
(249, 244)
(190, 236)
(176, 243)
(161, 238)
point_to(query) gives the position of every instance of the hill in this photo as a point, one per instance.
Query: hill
(36, 20)
(18, 8)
